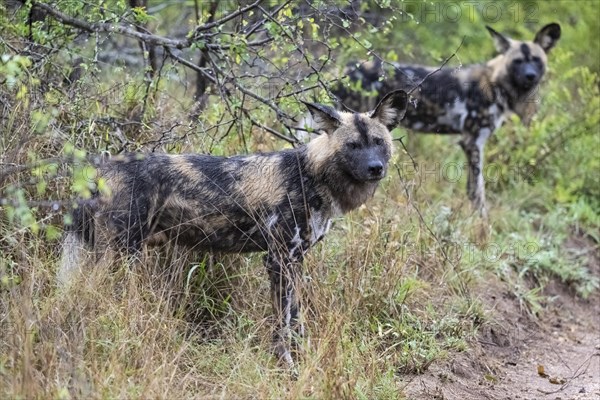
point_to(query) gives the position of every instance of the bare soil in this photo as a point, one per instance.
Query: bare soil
(554, 356)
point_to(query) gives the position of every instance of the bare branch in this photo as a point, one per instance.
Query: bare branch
(190, 65)
(147, 38)
(268, 102)
(272, 131)
(113, 28)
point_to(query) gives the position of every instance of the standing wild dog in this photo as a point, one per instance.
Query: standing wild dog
(472, 100)
(281, 202)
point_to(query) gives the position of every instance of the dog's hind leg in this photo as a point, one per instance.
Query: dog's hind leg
(79, 255)
(79, 235)
(71, 260)
(473, 146)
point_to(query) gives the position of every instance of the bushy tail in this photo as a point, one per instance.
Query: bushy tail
(80, 234)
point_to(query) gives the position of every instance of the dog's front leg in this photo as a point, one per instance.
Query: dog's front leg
(284, 273)
(473, 145)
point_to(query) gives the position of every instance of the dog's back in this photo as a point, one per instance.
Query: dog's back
(203, 202)
(442, 100)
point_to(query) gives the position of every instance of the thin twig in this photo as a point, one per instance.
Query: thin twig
(575, 375)
(291, 140)
(418, 211)
(439, 68)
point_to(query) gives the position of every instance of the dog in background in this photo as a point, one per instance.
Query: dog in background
(472, 101)
(280, 203)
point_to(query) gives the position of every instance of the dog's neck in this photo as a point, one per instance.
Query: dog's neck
(524, 104)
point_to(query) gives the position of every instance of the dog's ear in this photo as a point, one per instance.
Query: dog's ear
(391, 109)
(501, 42)
(325, 117)
(548, 36)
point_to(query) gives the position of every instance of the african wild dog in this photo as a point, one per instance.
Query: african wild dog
(280, 202)
(472, 100)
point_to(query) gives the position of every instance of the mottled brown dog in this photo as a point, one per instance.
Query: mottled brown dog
(472, 100)
(281, 203)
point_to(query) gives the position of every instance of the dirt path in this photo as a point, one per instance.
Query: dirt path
(503, 364)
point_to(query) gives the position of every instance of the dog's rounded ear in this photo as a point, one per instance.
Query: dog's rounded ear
(391, 109)
(548, 36)
(325, 117)
(501, 42)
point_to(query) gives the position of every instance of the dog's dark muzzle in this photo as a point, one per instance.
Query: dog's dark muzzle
(528, 76)
(370, 170)
(376, 170)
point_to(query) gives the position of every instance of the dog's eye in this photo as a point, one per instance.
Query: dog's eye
(378, 141)
(354, 145)
(537, 60)
(518, 61)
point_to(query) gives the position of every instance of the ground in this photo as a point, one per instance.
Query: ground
(555, 356)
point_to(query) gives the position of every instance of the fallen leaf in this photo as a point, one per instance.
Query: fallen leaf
(541, 372)
(557, 381)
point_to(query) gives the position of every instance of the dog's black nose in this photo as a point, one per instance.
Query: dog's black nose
(375, 168)
(531, 76)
